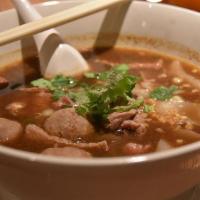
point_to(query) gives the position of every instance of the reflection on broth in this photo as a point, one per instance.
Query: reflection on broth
(131, 102)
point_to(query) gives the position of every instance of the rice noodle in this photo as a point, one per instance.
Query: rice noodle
(192, 110)
(186, 110)
(183, 108)
(172, 106)
(176, 69)
(163, 145)
(188, 135)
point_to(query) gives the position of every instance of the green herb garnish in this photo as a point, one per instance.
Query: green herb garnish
(57, 94)
(102, 98)
(63, 82)
(99, 99)
(59, 85)
(132, 105)
(79, 96)
(148, 108)
(42, 83)
(123, 68)
(163, 93)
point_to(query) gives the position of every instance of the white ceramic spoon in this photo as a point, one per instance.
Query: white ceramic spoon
(56, 57)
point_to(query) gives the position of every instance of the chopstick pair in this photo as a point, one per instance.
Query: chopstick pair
(57, 19)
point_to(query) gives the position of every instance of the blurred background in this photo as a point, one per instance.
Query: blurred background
(191, 4)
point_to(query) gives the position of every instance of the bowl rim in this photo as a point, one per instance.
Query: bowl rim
(100, 162)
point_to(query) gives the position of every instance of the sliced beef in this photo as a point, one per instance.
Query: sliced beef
(132, 121)
(63, 101)
(148, 70)
(68, 124)
(147, 65)
(134, 148)
(3, 82)
(101, 146)
(36, 135)
(133, 125)
(117, 118)
(10, 131)
(139, 123)
(67, 152)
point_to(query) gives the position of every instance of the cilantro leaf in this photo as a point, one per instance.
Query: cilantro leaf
(42, 83)
(132, 105)
(59, 81)
(163, 93)
(62, 81)
(80, 96)
(100, 75)
(148, 108)
(122, 68)
(90, 75)
(116, 88)
(57, 94)
(59, 85)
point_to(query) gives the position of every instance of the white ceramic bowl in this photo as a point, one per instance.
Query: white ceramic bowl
(28, 176)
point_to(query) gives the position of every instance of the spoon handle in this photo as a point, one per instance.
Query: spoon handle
(29, 14)
(26, 10)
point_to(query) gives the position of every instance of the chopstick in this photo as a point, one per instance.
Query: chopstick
(57, 19)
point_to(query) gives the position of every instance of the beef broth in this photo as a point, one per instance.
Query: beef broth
(132, 102)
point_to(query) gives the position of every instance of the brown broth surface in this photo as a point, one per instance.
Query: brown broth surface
(99, 61)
